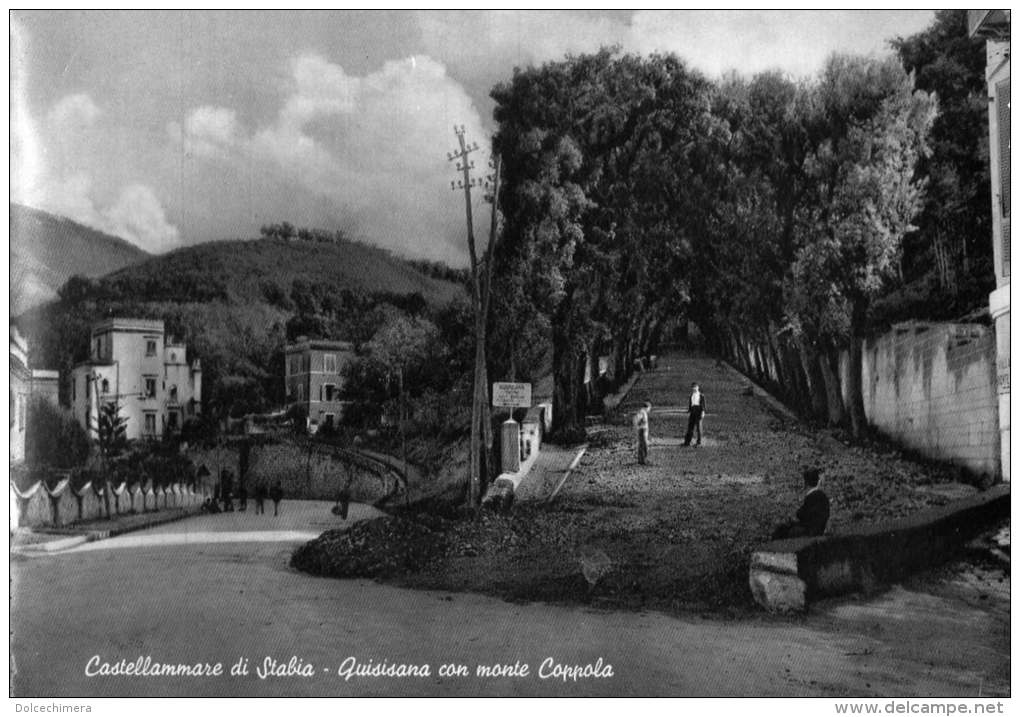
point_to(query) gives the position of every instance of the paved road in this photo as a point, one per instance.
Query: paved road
(215, 589)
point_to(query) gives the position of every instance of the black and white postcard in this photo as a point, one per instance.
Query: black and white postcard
(520, 353)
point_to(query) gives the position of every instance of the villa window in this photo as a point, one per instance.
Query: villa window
(329, 363)
(150, 387)
(150, 423)
(150, 347)
(106, 386)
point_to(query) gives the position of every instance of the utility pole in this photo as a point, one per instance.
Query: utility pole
(480, 289)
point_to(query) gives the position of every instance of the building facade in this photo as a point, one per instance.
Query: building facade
(20, 390)
(313, 378)
(993, 25)
(25, 385)
(132, 365)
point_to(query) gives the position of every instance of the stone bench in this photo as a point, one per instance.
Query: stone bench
(786, 574)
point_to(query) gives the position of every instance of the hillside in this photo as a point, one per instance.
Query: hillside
(237, 303)
(248, 270)
(46, 250)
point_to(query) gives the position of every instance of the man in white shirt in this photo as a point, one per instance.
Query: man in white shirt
(696, 409)
(641, 426)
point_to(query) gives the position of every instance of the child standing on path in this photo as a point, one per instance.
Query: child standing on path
(696, 408)
(641, 426)
(260, 499)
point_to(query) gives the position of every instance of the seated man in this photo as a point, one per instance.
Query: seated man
(813, 514)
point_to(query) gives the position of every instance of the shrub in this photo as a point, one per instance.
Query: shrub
(53, 437)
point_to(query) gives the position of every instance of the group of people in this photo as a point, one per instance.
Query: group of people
(810, 519)
(696, 409)
(222, 500)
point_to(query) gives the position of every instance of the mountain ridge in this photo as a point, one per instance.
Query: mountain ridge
(47, 249)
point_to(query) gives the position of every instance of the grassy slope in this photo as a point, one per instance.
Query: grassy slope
(244, 266)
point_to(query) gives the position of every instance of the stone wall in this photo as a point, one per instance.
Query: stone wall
(307, 471)
(40, 506)
(932, 388)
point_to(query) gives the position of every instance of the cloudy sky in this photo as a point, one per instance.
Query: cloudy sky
(170, 128)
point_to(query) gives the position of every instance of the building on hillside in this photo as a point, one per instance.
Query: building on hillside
(132, 365)
(993, 25)
(25, 384)
(313, 378)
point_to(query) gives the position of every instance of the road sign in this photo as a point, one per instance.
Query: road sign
(511, 395)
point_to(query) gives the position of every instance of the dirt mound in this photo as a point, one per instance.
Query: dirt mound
(384, 547)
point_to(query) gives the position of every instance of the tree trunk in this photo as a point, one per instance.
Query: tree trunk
(565, 393)
(779, 375)
(733, 347)
(566, 381)
(798, 390)
(740, 357)
(655, 335)
(475, 492)
(855, 394)
(619, 372)
(834, 399)
(813, 378)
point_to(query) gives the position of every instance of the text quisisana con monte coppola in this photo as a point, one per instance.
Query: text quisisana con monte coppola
(349, 668)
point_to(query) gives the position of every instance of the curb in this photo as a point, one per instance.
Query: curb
(566, 473)
(61, 544)
(53, 546)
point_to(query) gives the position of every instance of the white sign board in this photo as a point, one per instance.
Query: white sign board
(511, 395)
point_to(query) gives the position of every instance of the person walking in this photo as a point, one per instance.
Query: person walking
(242, 496)
(226, 490)
(260, 499)
(641, 426)
(276, 493)
(696, 409)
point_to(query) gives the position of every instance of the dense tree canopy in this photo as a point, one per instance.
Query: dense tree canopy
(637, 192)
(947, 264)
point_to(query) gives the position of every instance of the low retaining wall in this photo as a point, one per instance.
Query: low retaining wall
(786, 574)
(500, 495)
(41, 506)
(310, 471)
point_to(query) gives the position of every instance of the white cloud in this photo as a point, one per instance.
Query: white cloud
(72, 114)
(214, 123)
(751, 41)
(372, 148)
(715, 42)
(207, 132)
(26, 153)
(506, 38)
(46, 174)
(138, 216)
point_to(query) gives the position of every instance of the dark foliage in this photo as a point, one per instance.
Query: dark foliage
(53, 437)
